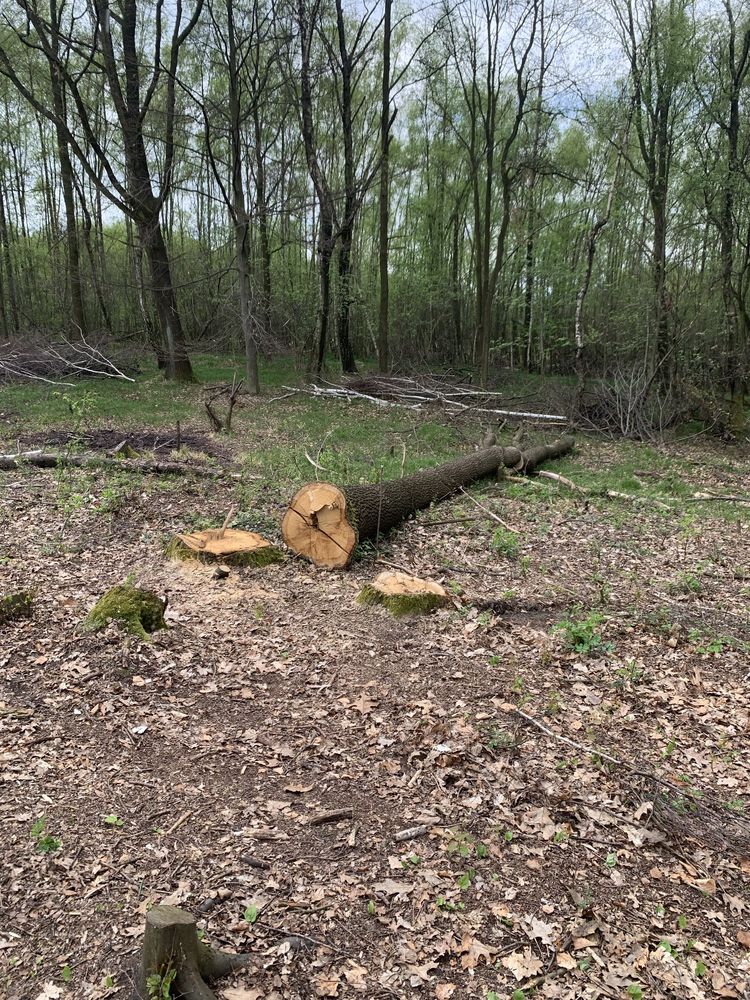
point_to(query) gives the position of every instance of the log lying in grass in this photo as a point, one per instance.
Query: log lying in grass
(402, 594)
(174, 962)
(324, 522)
(49, 460)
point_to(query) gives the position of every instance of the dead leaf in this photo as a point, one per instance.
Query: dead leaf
(523, 964)
(392, 887)
(239, 993)
(744, 939)
(565, 960)
(444, 991)
(326, 986)
(298, 789)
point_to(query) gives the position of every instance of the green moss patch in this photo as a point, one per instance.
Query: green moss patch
(14, 606)
(141, 612)
(400, 605)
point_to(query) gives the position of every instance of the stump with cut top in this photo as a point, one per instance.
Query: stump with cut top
(324, 522)
(402, 594)
(173, 956)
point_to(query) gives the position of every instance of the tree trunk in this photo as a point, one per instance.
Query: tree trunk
(324, 522)
(173, 955)
(384, 362)
(178, 365)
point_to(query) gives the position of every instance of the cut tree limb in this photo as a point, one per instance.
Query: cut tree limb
(324, 522)
(49, 460)
(173, 954)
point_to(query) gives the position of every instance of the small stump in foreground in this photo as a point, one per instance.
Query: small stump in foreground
(225, 545)
(141, 612)
(174, 962)
(14, 606)
(403, 595)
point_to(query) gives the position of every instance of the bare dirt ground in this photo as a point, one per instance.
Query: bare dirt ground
(190, 768)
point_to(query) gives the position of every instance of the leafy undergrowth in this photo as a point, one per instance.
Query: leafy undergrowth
(569, 737)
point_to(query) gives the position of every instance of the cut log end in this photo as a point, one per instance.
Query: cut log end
(316, 525)
(402, 594)
(225, 545)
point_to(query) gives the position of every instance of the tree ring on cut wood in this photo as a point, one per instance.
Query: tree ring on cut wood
(225, 545)
(402, 594)
(316, 525)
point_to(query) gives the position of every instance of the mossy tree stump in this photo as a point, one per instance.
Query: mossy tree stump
(141, 612)
(225, 545)
(403, 595)
(13, 606)
(324, 522)
(173, 955)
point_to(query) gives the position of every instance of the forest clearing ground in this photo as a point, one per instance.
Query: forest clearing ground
(188, 768)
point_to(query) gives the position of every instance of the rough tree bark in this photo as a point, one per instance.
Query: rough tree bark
(173, 954)
(325, 522)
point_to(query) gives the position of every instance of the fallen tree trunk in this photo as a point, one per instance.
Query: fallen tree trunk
(49, 460)
(324, 522)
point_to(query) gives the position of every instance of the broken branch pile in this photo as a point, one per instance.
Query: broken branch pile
(324, 522)
(414, 393)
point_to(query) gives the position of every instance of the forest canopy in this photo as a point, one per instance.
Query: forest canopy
(523, 184)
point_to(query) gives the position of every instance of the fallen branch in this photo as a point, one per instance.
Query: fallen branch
(49, 460)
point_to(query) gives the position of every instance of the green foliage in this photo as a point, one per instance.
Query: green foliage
(251, 913)
(45, 844)
(159, 985)
(505, 542)
(584, 635)
(113, 820)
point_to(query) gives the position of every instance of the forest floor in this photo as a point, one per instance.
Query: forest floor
(188, 768)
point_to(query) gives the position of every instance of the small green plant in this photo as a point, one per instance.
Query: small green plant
(611, 859)
(446, 906)
(109, 982)
(505, 542)
(159, 986)
(466, 878)
(251, 913)
(700, 969)
(686, 583)
(682, 921)
(736, 806)
(66, 973)
(554, 704)
(561, 837)
(635, 991)
(113, 820)
(45, 844)
(631, 674)
(371, 908)
(518, 995)
(584, 636)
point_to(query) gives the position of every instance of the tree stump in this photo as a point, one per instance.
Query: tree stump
(403, 595)
(172, 955)
(140, 612)
(225, 545)
(14, 606)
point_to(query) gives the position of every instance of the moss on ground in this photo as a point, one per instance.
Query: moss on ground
(140, 611)
(400, 605)
(14, 606)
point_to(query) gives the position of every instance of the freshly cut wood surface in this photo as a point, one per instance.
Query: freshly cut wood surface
(316, 525)
(233, 540)
(397, 583)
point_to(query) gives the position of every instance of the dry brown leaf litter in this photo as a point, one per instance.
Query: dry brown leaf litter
(274, 700)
